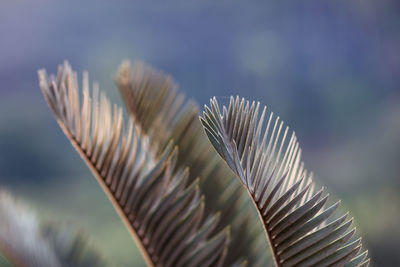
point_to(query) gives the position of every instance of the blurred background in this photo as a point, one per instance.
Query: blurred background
(330, 69)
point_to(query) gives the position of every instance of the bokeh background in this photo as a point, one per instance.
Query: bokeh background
(330, 69)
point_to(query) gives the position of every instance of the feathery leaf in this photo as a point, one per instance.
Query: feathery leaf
(27, 241)
(267, 160)
(162, 112)
(163, 212)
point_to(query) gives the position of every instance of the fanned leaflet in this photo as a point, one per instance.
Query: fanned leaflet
(162, 112)
(25, 240)
(267, 159)
(163, 212)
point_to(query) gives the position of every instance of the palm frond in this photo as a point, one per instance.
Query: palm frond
(267, 159)
(72, 247)
(163, 113)
(151, 194)
(25, 240)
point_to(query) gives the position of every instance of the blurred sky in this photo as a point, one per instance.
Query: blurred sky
(330, 69)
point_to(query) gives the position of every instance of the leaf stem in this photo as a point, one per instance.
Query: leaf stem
(273, 251)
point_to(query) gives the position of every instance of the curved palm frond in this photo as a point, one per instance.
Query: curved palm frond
(267, 159)
(162, 112)
(27, 241)
(163, 213)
